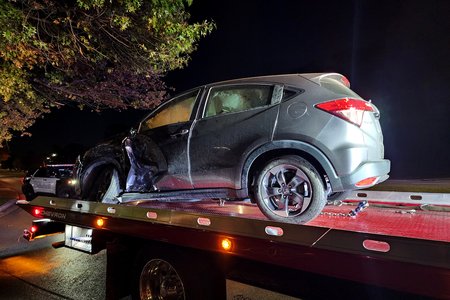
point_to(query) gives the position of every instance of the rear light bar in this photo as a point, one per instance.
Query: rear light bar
(37, 211)
(349, 109)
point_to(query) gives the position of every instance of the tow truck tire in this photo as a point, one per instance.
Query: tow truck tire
(165, 273)
(293, 181)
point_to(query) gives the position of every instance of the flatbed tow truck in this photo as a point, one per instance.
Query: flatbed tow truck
(359, 248)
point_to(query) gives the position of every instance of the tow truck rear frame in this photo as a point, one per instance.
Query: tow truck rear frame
(367, 255)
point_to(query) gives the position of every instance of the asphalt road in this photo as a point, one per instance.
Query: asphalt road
(10, 188)
(35, 270)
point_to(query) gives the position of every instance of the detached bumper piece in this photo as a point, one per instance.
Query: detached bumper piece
(42, 228)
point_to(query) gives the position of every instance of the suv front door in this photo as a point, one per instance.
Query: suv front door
(44, 180)
(169, 128)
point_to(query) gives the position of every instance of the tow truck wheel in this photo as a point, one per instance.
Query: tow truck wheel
(161, 272)
(160, 280)
(289, 189)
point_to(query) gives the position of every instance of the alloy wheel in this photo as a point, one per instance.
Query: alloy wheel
(286, 190)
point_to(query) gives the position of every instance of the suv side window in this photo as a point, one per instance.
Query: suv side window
(52, 172)
(231, 99)
(177, 110)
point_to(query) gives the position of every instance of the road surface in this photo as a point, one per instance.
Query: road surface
(35, 271)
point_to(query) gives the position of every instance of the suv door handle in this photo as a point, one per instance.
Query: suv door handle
(179, 133)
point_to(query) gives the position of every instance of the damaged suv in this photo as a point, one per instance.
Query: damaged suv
(287, 142)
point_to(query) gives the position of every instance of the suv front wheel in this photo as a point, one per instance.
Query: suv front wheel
(106, 186)
(289, 189)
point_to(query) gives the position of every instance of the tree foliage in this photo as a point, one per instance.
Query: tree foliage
(94, 53)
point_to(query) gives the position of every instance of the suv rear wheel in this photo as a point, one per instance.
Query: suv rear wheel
(289, 189)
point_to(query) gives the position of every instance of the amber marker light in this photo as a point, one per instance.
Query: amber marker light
(226, 244)
(100, 222)
(367, 182)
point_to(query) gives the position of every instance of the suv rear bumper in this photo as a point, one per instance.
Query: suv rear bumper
(379, 169)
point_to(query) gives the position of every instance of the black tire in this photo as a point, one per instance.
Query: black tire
(63, 191)
(293, 180)
(28, 191)
(106, 186)
(168, 273)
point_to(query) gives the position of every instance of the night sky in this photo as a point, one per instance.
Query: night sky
(396, 53)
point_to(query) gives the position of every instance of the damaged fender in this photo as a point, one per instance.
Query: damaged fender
(137, 159)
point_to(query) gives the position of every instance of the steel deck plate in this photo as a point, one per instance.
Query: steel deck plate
(395, 221)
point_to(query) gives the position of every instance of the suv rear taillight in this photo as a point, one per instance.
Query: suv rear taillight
(351, 110)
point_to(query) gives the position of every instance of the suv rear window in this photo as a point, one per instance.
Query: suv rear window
(337, 87)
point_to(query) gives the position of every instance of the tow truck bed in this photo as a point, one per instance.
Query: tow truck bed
(394, 247)
(402, 221)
